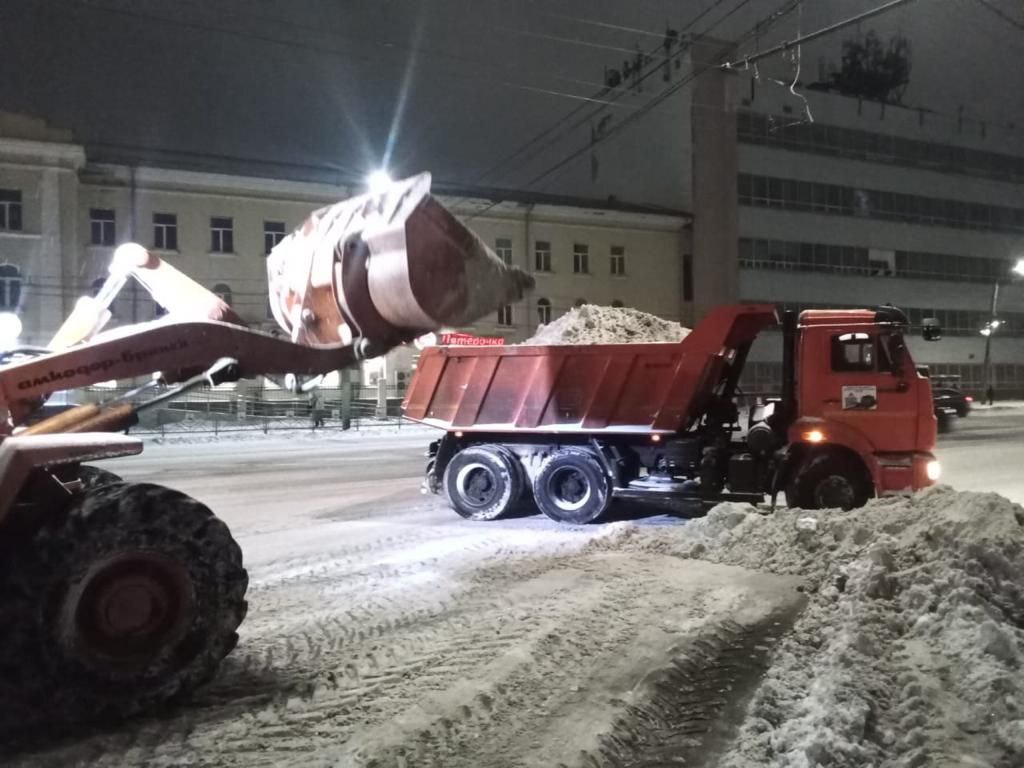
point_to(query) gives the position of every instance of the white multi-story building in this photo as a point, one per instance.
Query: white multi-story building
(62, 214)
(871, 204)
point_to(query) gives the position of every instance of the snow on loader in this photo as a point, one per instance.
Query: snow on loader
(117, 596)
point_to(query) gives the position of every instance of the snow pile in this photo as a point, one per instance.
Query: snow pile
(594, 324)
(909, 652)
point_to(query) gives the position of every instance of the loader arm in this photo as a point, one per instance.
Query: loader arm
(355, 280)
(177, 350)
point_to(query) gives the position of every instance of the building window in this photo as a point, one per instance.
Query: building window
(273, 233)
(543, 311)
(10, 209)
(505, 314)
(222, 235)
(542, 256)
(101, 226)
(580, 258)
(876, 204)
(817, 138)
(165, 231)
(579, 302)
(617, 304)
(618, 260)
(503, 247)
(10, 287)
(223, 291)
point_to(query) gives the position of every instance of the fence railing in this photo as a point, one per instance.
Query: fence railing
(221, 410)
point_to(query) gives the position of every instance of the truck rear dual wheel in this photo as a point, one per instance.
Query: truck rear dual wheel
(571, 486)
(484, 482)
(829, 481)
(128, 600)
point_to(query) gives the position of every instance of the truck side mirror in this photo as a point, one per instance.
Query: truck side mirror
(930, 329)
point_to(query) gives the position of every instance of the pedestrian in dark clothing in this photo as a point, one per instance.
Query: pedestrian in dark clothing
(315, 413)
(990, 394)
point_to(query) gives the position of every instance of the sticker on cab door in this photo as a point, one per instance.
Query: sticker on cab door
(860, 398)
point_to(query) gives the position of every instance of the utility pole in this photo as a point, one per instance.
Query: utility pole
(989, 329)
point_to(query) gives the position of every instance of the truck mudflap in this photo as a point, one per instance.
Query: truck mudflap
(901, 473)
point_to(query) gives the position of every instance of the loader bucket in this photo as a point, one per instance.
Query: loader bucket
(386, 267)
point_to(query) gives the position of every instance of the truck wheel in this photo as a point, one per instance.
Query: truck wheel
(483, 482)
(828, 481)
(572, 487)
(128, 600)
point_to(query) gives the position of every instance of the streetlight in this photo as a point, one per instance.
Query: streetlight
(378, 181)
(992, 326)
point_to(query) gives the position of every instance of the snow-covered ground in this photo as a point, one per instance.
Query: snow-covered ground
(385, 631)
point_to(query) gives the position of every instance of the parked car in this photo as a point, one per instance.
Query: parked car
(950, 401)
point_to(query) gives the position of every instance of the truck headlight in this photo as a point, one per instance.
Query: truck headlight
(933, 470)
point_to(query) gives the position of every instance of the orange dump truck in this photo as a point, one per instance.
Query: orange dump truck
(569, 428)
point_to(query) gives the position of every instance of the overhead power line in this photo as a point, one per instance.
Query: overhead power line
(1002, 14)
(721, 62)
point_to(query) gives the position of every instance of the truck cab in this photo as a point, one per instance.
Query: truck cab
(860, 402)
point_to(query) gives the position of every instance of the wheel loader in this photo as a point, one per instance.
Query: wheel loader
(116, 597)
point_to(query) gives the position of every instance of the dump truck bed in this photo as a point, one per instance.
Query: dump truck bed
(610, 388)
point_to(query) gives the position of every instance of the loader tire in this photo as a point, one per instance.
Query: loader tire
(829, 481)
(129, 600)
(483, 482)
(95, 477)
(571, 486)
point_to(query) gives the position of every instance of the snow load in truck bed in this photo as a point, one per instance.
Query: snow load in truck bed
(594, 324)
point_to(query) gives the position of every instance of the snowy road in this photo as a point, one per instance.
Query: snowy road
(385, 631)
(985, 452)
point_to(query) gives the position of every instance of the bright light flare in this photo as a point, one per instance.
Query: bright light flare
(10, 329)
(1018, 268)
(378, 182)
(933, 470)
(814, 436)
(985, 331)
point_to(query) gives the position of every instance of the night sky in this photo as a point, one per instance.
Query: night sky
(454, 87)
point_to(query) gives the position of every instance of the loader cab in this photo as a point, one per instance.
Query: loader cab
(858, 390)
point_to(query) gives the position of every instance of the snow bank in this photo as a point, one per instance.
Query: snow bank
(909, 653)
(594, 324)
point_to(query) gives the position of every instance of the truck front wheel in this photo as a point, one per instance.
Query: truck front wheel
(483, 482)
(829, 481)
(572, 487)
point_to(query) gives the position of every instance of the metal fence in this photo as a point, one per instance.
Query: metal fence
(224, 410)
